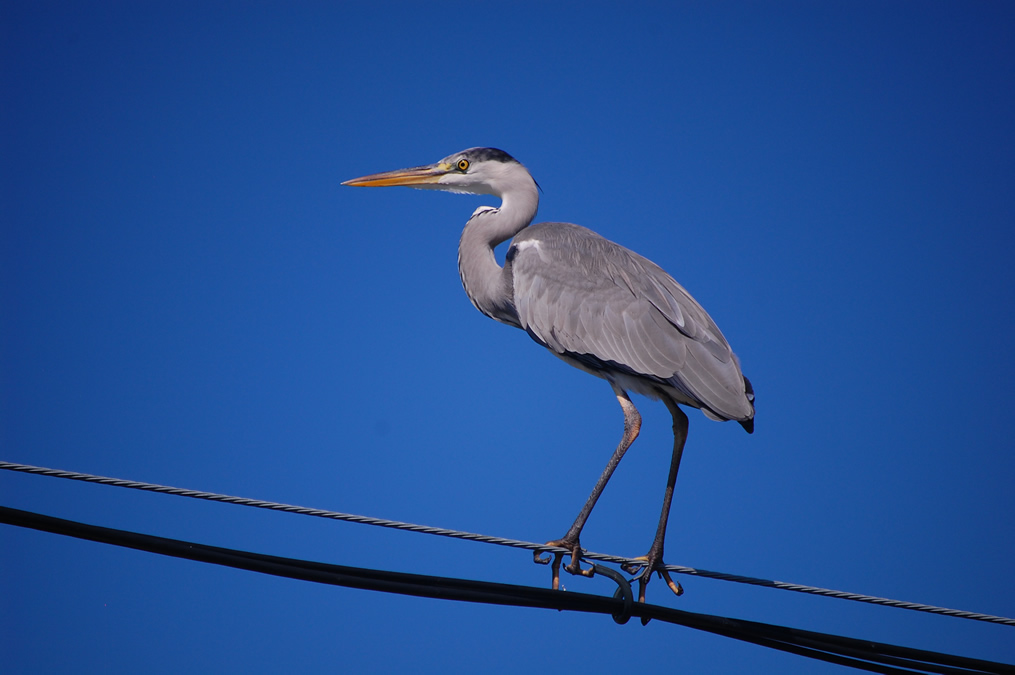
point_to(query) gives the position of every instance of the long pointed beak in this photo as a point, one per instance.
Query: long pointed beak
(416, 176)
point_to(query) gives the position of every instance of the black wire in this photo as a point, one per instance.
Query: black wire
(862, 654)
(500, 541)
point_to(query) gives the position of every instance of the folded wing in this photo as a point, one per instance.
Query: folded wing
(607, 307)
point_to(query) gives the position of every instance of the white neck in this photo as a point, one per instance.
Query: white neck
(484, 280)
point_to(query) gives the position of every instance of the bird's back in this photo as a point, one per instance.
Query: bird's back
(620, 316)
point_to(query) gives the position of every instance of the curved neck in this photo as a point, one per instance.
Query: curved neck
(485, 282)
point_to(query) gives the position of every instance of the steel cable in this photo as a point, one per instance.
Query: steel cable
(499, 541)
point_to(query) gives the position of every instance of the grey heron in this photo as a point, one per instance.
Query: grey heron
(597, 306)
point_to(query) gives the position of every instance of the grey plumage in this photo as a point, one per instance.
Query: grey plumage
(593, 303)
(622, 314)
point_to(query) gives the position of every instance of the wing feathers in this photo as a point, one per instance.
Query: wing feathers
(584, 296)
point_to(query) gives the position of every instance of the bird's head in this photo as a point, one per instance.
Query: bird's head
(480, 171)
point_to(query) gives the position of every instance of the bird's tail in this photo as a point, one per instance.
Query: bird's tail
(748, 424)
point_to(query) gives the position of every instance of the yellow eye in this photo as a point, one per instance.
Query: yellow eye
(463, 165)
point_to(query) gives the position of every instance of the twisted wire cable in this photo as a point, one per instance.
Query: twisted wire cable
(499, 541)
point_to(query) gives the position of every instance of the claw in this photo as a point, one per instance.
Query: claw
(539, 559)
(635, 565)
(574, 567)
(677, 589)
(643, 566)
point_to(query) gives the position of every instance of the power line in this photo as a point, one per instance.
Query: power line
(500, 541)
(862, 654)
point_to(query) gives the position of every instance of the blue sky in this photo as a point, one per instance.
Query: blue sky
(188, 296)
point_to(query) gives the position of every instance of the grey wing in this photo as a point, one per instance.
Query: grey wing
(608, 308)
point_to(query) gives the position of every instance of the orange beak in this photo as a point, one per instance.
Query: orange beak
(416, 176)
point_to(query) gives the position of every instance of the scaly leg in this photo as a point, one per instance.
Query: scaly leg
(653, 561)
(632, 425)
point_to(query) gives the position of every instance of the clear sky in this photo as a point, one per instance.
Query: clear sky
(188, 296)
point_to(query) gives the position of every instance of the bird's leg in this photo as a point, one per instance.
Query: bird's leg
(653, 561)
(570, 541)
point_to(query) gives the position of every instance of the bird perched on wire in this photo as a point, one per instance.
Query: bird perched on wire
(597, 306)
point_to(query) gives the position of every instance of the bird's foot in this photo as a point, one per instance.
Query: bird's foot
(642, 568)
(574, 567)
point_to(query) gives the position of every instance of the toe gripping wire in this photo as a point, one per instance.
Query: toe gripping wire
(624, 591)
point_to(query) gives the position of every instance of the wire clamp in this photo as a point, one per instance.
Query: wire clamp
(623, 591)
